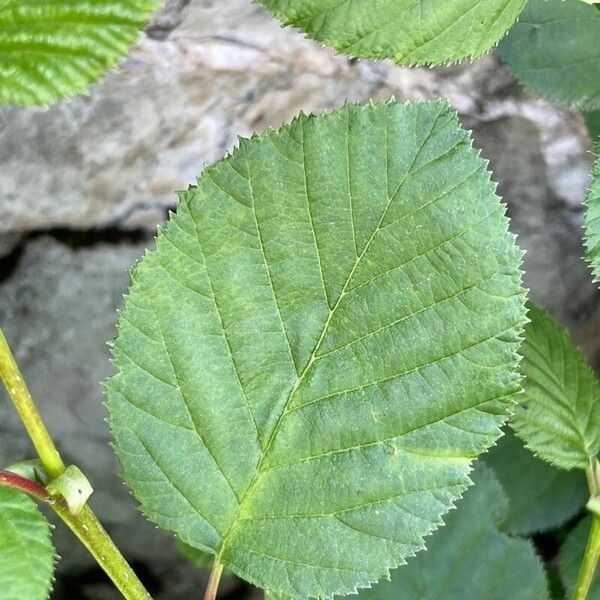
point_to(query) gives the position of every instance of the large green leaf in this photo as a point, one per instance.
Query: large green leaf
(559, 416)
(571, 557)
(51, 50)
(26, 551)
(407, 31)
(324, 338)
(592, 219)
(553, 50)
(540, 496)
(470, 559)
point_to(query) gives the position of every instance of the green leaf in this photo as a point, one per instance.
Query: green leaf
(322, 342)
(592, 219)
(470, 559)
(26, 552)
(540, 496)
(553, 50)
(571, 557)
(51, 50)
(199, 558)
(559, 416)
(592, 121)
(407, 31)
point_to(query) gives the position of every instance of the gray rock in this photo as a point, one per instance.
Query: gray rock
(229, 69)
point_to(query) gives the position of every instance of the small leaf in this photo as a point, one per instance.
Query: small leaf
(323, 340)
(559, 416)
(407, 31)
(571, 557)
(553, 50)
(540, 496)
(26, 552)
(592, 219)
(470, 559)
(51, 50)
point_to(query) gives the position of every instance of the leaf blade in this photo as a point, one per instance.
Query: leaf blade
(470, 558)
(50, 50)
(26, 552)
(558, 418)
(552, 50)
(407, 32)
(540, 497)
(272, 257)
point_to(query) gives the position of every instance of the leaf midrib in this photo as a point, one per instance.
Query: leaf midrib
(332, 310)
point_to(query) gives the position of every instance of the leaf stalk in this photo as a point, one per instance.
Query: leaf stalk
(213, 581)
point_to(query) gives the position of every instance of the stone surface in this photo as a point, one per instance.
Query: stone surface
(84, 184)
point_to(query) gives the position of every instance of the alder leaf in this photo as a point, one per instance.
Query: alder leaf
(559, 415)
(323, 340)
(26, 551)
(592, 219)
(553, 50)
(540, 496)
(571, 557)
(470, 559)
(51, 50)
(407, 31)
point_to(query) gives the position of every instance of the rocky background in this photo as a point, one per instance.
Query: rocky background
(84, 184)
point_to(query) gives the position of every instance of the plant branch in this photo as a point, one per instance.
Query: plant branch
(93, 536)
(213, 581)
(592, 550)
(84, 524)
(32, 420)
(590, 562)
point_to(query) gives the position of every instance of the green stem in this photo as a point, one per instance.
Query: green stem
(19, 394)
(93, 536)
(84, 524)
(590, 562)
(213, 581)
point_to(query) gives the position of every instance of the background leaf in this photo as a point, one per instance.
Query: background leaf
(592, 121)
(559, 416)
(540, 496)
(406, 31)
(26, 551)
(324, 338)
(470, 559)
(553, 50)
(571, 557)
(51, 50)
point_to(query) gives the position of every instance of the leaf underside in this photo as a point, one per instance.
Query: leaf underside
(51, 50)
(553, 50)
(407, 31)
(324, 338)
(559, 415)
(26, 551)
(540, 497)
(470, 558)
(571, 557)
